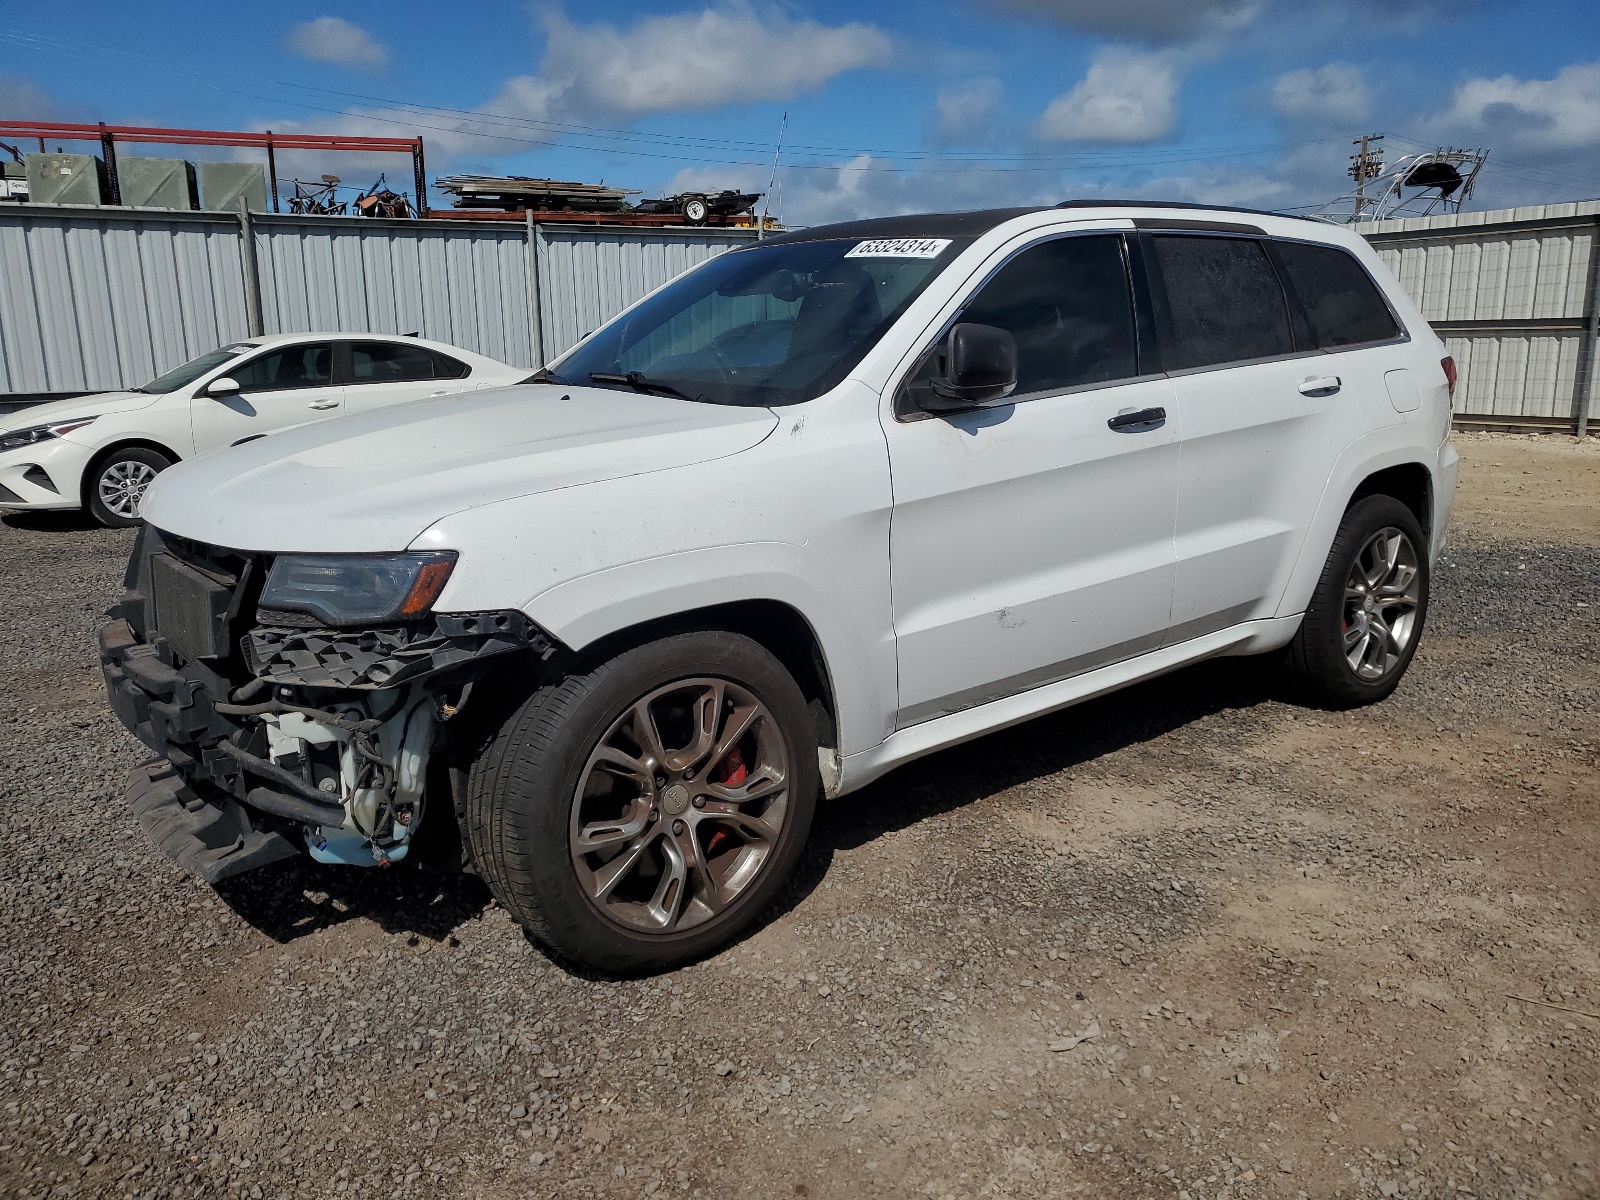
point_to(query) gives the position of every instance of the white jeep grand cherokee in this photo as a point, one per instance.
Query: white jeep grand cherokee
(819, 506)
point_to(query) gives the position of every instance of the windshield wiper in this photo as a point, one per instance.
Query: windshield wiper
(642, 383)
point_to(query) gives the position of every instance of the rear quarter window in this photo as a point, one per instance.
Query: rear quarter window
(1344, 305)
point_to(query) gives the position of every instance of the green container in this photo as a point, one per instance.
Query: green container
(222, 184)
(66, 179)
(157, 183)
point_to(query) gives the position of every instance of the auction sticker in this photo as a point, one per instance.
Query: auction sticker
(899, 248)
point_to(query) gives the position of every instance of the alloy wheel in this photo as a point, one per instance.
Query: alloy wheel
(680, 805)
(122, 486)
(1381, 595)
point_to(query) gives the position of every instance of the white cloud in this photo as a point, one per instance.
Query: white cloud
(335, 40)
(1542, 114)
(691, 62)
(23, 100)
(968, 114)
(1336, 92)
(1125, 97)
(1142, 20)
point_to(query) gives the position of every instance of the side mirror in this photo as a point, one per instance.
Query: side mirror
(980, 367)
(218, 388)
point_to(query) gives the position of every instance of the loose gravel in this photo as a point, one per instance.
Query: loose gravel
(1191, 941)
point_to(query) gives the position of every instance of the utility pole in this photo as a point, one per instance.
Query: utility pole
(1368, 164)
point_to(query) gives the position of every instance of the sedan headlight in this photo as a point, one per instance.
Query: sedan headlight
(35, 434)
(357, 589)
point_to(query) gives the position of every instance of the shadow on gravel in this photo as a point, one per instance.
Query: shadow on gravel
(956, 777)
(52, 522)
(297, 897)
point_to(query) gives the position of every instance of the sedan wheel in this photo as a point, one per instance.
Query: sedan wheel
(118, 484)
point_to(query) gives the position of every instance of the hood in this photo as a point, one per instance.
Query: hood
(376, 480)
(95, 404)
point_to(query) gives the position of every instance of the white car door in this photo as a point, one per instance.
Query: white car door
(1033, 541)
(383, 373)
(285, 385)
(1263, 414)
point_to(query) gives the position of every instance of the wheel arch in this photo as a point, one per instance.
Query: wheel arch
(1411, 483)
(776, 625)
(105, 452)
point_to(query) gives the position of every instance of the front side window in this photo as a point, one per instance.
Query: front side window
(773, 324)
(190, 371)
(1224, 302)
(1345, 306)
(389, 362)
(1067, 304)
(299, 366)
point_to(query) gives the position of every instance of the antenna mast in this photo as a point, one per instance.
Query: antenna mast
(761, 230)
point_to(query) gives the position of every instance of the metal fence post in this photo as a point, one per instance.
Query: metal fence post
(252, 280)
(535, 324)
(1591, 340)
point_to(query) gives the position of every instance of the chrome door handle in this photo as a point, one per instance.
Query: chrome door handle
(1140, 420)
(1326, 386)
(323, 404)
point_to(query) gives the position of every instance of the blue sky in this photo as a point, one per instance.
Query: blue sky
(892, 107)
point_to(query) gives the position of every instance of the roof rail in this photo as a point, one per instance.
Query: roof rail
(1260, 212)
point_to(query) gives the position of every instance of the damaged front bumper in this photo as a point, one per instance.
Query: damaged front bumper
(276, 738)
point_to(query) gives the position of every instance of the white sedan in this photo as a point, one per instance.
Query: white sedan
(101, 451)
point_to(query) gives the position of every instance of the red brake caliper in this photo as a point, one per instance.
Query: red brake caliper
(731, 773)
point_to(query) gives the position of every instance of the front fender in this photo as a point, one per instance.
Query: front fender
(581, 611)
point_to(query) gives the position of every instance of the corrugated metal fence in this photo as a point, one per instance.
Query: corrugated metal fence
(96, 299)
(1513, 294)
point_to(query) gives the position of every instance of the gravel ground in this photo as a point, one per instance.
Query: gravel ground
(1189, 942)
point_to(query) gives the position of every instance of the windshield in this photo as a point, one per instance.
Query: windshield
(190, 371)
(767, 325)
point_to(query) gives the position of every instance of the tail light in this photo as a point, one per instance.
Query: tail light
(1449, 365)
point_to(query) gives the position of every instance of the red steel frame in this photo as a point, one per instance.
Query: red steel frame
(109, 135)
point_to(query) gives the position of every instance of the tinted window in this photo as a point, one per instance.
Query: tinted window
(1067, 304)
(778, 323)
(389, 362)
(291, 367)
(1343, 303)
(1224, 301)
(445, 367)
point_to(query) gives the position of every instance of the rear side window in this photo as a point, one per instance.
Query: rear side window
(389, 362)
(1339, 296)
(445, 367)
(1224, 301)
(291, 367)
(1067, 304)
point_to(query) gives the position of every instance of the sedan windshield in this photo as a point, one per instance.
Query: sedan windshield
(190, 371)
(768, 325)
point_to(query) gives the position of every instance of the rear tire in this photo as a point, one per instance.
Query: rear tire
(116, 483)
(624, 846)
(1365, 618)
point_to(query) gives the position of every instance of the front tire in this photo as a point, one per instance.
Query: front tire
(641, 811)
(1365, 619)
(117, 482)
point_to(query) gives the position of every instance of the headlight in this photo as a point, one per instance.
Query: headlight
(357, 589)
(34, 434)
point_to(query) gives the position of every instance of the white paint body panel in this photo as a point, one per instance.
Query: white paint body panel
(960, 574)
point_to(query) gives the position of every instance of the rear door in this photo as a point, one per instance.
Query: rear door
(1263, 415)
(383, 373)
(1032, 541)
(285, 385)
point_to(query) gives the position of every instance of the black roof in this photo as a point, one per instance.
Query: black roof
(971, 224)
